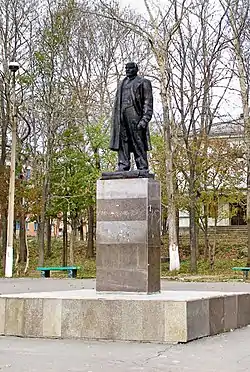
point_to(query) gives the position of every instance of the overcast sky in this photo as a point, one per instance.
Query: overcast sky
(139, 4)
(232, 102)
(136, 4)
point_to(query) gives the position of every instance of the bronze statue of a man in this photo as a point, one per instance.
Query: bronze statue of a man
(133, 110)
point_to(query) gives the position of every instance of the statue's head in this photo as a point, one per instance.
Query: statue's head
(131, 69)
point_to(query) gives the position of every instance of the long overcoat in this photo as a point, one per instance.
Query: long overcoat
(142, 98)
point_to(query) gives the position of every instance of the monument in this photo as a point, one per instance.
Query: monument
(128, 201)
(126, 304)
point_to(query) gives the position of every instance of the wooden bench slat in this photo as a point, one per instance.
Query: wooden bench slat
(58, 268)
(245, 271)
(241, 268)
(72, 270)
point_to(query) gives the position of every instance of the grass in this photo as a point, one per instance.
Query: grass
(87, 266)
(231, 251)
(222, 270)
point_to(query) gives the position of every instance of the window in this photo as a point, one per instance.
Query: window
(28, 172)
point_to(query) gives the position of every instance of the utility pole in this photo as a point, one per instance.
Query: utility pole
(13, 66)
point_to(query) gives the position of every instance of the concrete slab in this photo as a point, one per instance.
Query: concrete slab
(166, 317)
(92, 294)
(23, 285)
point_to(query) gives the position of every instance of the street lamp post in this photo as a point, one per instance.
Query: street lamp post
(13, 66)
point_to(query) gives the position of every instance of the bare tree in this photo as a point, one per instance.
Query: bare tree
(50, 93)
(198, 72)
(238, 15)
(158, 30)
(15, 18)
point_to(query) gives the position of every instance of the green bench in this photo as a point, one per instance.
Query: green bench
(245, 271)
(72, 271)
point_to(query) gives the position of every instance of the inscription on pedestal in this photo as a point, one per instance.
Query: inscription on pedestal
(128, 235)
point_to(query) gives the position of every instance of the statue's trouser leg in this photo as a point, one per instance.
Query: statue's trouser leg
(140, 154)
(137, 137)
(123, 156)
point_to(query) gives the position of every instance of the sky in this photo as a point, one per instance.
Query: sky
(232, 102)
(136, 4)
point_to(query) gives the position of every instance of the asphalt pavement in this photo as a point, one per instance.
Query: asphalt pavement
(223, 353)
(227, 352)
(23, 285)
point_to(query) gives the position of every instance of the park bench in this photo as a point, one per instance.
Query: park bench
(245, 271)
(72, 270)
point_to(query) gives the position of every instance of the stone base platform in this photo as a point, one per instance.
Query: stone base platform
(167, 317)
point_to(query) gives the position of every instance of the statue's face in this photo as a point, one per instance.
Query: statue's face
(131, 69)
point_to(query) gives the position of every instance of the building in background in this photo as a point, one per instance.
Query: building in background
(230, 213)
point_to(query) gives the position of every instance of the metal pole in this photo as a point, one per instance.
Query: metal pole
(10, 228)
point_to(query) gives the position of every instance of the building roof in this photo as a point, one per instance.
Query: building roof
(232, 128)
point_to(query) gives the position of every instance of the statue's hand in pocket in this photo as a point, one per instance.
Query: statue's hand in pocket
(141, 125)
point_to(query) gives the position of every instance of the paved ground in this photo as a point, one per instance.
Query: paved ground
(224, 353)
(43, 285)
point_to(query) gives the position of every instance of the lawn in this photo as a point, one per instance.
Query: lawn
(230, 252)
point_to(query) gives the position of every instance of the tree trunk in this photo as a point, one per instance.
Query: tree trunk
(81, 231)
(65, 238)
(164, 225)
(5, 119)
(22, 238)
(248, 209)
(206, 240)
(4, 236)
(1, 252)
(38, 230)
(48, 230)
(41, 228)
(193, 236)
(14, 229)
(41, 242)
(197, 239)
(174, 260)
(4, 123)
(27, 256)
(213, 248)
(192, 222)
(72, 240)
(71, 247)
(243, 75)
(178, 227)
(90, 244)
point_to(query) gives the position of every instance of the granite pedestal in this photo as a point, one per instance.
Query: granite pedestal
(128, 235)
(167, 317)
(127, 303)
